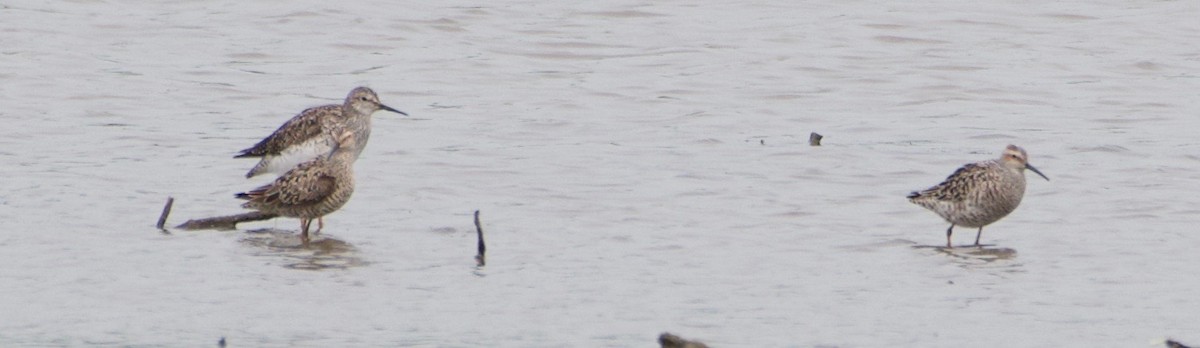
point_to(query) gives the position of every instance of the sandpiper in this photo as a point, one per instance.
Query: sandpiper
(979, 193)
(312, 189)
(313, 133)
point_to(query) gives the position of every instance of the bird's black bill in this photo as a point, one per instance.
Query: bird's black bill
(388, 108)
(1036, 171)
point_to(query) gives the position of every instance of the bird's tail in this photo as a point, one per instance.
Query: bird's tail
(245, 153)
(259, 168)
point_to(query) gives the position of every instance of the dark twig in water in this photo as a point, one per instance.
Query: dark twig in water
(480, 259)
(814, 139)
(667, 340)
(162, 219)
(228, 222)
(1173, 344)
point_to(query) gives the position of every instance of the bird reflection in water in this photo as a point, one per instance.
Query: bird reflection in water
(985, 254)
(322, 252)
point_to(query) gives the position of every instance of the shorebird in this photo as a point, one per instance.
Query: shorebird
(313, 133)
(312, 189)
(979, 193)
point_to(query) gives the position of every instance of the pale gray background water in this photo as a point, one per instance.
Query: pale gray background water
(641, 166)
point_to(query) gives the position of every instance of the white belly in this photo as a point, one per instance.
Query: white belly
(293, 156)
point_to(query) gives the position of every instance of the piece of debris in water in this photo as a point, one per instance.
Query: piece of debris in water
(668, 340)
(480, 259)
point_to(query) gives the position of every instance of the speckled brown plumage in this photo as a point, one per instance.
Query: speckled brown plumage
(979, 194)
(310, 123)
(312, 133)
(312, 189)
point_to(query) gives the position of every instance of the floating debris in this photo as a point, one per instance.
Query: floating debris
(668, 340)
(224, 223)
(480, 259)
(814, 139)
(227, 222)
(162, 219)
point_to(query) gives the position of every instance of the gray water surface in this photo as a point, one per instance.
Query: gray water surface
(641, 166)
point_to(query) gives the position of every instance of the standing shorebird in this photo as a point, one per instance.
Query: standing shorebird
(313, 133)
(979, 193)
(312, 189)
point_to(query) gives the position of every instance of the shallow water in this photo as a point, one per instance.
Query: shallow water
(640, 167)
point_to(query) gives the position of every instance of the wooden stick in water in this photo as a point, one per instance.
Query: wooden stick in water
(480, 259)
(162, 219)
(227, 222)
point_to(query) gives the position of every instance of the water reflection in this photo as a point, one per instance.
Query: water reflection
(322, 252)
(982, 255)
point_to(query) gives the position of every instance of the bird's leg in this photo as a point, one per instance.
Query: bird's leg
(320, 225)
(304, 224)
(977, 234)
(949, 231)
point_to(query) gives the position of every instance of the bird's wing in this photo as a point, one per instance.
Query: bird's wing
(308, 124)
(305, 184)
(957, 186)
